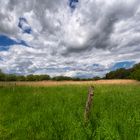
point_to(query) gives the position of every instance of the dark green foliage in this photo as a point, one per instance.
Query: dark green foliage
(21, 78)
(136, 66)
(135, 74)
(119, 74)
(13, 77)
(37, 77)
(57, 113)
(132, 73)
(96, 78)
(44, 77)
(2, 76)
(10, 77)
(61, 78)
(31, 78)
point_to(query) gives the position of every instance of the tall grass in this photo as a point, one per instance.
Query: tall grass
(56, 113)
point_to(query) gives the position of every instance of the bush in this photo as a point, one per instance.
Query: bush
(61, 78)
(136, 74)
(10, 77)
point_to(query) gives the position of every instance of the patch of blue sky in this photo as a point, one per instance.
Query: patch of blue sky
(6, 42)
(96, 65)
(24, 25)
(123, 64)
(84, 76)
(73, 3)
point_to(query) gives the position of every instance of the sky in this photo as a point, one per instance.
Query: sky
(77, 38)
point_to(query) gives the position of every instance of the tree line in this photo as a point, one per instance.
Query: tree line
(122, 73)
(14, 77)
(31, 77)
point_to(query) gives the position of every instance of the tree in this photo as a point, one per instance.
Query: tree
(61, 78)
(44, 77)
(2, 76)
(136, 74)
(10, 77)
(21, 78)
(37, 77)
(30, 78)
(119, 74)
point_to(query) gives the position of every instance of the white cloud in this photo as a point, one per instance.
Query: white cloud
(96, 32)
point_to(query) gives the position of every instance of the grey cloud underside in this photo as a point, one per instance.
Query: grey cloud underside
(95, 32)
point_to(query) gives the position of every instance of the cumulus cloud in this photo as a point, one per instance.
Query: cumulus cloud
(69, 37)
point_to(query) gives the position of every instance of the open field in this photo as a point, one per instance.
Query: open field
(56, 113)
(57, 83)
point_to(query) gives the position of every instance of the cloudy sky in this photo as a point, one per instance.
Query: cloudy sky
(82, 38)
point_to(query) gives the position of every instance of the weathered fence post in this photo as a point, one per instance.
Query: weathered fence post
(89, 103)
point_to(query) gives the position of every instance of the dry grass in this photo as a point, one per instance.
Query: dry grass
(57, 83)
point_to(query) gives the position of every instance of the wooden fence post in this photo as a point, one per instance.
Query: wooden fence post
(88, 103)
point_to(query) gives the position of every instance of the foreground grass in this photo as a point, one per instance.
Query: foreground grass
(56, 113)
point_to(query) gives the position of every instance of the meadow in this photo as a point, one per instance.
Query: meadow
(57, 112)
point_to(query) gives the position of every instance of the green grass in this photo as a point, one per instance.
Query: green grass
(56, 113)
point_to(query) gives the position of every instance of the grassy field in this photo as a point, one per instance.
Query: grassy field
(60, 83)
(57, 113)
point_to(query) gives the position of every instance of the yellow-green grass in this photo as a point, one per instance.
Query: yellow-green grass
(57, 113)
(60, 83)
